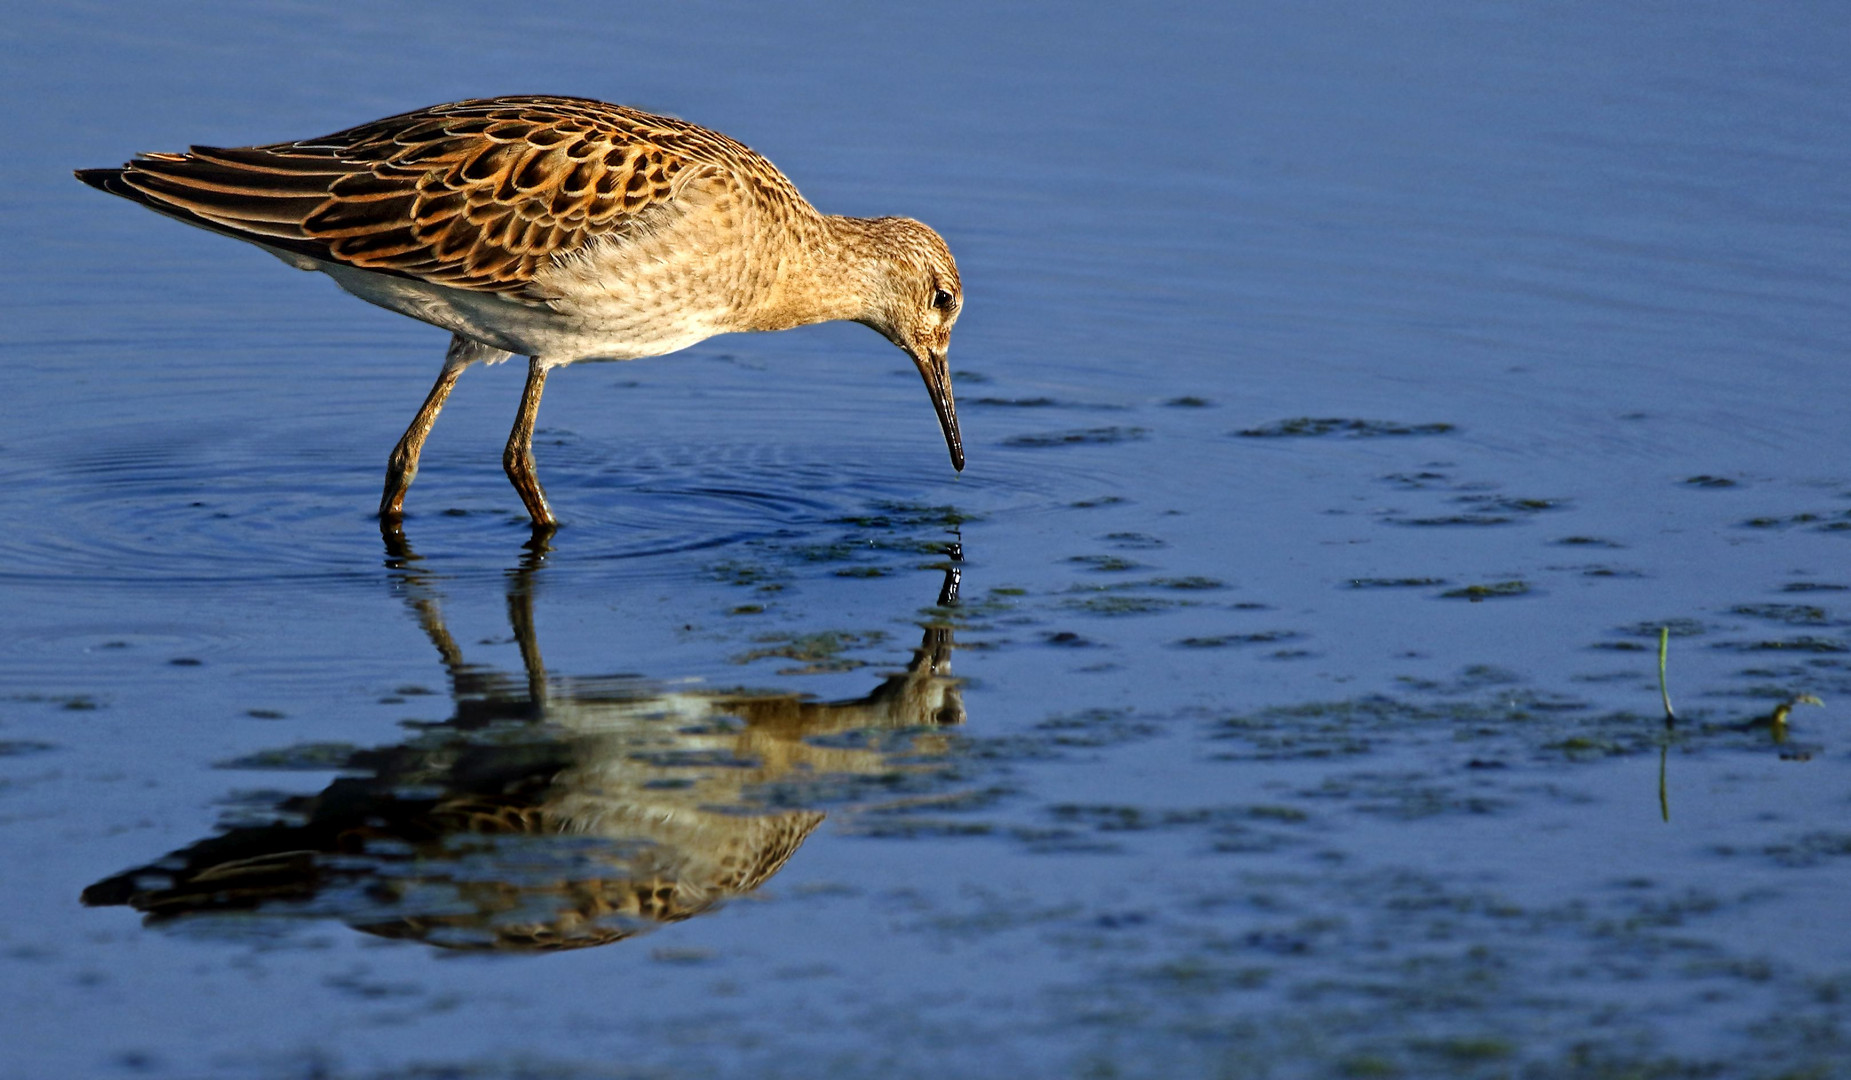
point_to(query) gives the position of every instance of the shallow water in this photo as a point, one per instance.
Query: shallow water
(1350, 399)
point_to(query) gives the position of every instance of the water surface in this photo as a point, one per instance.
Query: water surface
(1350, 397)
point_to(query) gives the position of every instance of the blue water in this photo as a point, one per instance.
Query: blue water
(1199, 772)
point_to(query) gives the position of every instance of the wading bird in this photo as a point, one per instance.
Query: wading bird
(560, 229)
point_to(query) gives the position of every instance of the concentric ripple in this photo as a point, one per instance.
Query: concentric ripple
(154, 505)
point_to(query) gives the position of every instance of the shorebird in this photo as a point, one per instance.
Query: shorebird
(560, 229)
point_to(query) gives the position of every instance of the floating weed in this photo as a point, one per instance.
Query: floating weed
(916, 828)
(1813, 586)
(1709, 482)
(1493, 591)
(970, 612)
(1471, 679)
(1195, 975)
(1191, 583)
(1400, 975)
(1017, 403)
(819, 651)
(1133, 541)
(1094, 728)
(1182, 584)
(1407, 796)
(1226, 821)
(682, 957)
(1317, 427)
(1100, 436)
(1112, 604)
(68, 702)
(1808, 644)
(1811, 849)
(1103, 500)
(1586, 748)
(1189, 401)
(853, 548)
(1674, 627)
(962, 800)
(1047, 403)
(1394, 583)
(1791, 614)
(1107, 564)
(303, 757)
(1587, 541)
(738, 572)
(908, 515)
(922, 775)
(1758, 692)
(1446, 520)
(1369, 1067)
(1485, 510)
(1223, 641)
(1826, 521)
(1513, 505)
(1542, 723)
(1465, 1050)
(1772, 672)
(1606, 676)
(1419, 481)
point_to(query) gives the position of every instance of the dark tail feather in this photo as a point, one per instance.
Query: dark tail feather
(115, 182)
(109, 180)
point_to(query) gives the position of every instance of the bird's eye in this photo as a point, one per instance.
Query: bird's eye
(941, 299)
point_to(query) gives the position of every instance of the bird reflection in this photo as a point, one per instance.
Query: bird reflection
(553, 813)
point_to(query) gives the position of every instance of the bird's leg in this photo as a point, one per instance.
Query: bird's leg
(402, 466)
(517, 459)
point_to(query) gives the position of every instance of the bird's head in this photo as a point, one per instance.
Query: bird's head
(913, 298)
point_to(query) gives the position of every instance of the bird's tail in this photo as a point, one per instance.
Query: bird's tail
(109, 180)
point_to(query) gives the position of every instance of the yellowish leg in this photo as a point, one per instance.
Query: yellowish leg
(517, 459)
(402, 467)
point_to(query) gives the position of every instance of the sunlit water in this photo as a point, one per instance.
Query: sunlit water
(1350, 399)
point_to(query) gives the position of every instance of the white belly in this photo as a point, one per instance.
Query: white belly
(601, 332)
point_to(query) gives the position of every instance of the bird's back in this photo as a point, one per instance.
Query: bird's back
(483, 195)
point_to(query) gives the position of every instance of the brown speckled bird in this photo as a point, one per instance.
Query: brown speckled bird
(561, 229)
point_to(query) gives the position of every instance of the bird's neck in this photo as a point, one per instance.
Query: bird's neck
(832, 275)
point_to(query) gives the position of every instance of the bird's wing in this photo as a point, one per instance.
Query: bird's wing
(476, 195)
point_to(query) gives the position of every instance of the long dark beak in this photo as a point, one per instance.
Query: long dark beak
(936, 368)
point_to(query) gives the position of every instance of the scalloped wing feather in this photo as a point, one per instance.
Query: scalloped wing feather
(476, 195)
